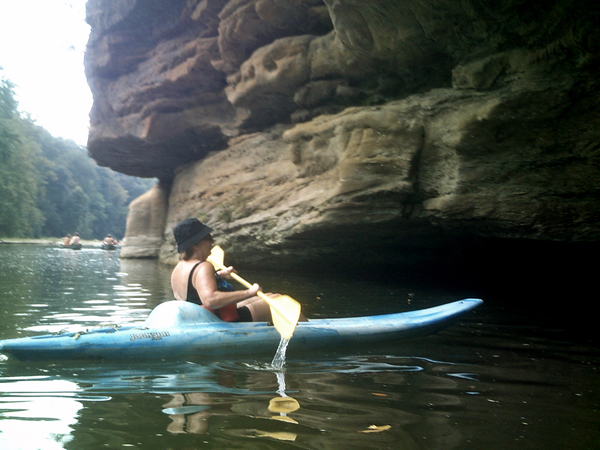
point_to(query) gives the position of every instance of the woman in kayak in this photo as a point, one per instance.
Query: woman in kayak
(194, 278)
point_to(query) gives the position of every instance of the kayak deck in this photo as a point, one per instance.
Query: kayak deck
(175, 329)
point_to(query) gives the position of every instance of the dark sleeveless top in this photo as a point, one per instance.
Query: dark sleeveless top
(192, 295)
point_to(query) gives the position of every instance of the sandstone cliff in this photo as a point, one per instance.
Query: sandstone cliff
(350, 132)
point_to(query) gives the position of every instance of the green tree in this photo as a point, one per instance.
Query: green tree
(19, 181)
(50, 186)
(78, 211)
(8, 110)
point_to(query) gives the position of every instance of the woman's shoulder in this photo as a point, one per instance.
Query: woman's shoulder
(205, 266)
(184, 266)
(187, 266)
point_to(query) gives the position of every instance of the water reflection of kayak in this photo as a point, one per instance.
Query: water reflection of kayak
(71, 246)
(175, 329)
(105, 246)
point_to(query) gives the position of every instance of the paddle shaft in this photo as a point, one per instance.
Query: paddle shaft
(261, 294)
(236, 277)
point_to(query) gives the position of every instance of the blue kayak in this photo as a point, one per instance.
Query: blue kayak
(175, 329)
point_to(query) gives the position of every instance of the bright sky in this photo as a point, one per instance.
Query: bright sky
(42, 43)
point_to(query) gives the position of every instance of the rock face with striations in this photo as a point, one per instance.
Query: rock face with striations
(349, 132)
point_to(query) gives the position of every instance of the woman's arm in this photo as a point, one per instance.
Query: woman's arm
(206, 284)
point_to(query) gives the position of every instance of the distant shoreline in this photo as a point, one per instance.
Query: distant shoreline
(43, 241)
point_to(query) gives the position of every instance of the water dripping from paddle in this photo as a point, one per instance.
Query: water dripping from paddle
(279, 358)
(283, 404)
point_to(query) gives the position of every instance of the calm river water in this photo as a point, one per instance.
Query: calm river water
(495, 380)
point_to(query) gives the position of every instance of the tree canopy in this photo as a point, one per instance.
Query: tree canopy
(50, 186)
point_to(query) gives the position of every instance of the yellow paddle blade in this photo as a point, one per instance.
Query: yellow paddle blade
(285, 312)
(216, 257)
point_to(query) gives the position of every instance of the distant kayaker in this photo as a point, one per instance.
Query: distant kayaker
(194, 278)
(67, 239)
(109, 240)
(76, 240)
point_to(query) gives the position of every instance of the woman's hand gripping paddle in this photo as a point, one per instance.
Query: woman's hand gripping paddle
(285, 311)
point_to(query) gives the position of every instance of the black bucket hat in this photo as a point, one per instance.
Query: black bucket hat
(190, 232)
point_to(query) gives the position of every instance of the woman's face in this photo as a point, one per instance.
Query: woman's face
(206, 245)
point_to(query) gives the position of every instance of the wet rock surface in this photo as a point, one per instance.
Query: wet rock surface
(348, 133)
